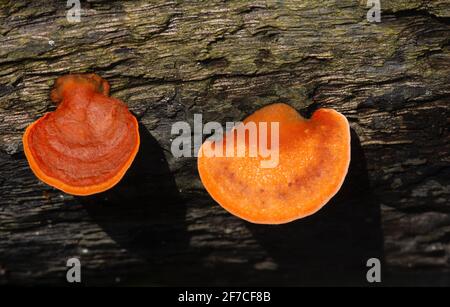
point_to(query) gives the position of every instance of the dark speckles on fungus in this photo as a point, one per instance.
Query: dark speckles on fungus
(314, 157)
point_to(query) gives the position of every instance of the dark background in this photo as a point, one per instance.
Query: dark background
(170, 59)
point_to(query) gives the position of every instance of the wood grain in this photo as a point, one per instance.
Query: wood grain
(170, 59)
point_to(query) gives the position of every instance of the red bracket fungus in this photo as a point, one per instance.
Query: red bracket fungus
(314, 156)
(87, 144)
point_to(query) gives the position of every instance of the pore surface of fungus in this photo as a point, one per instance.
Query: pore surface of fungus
(314, 156)
(87, 144)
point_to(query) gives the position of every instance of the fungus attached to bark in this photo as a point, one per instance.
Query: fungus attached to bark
(314, 156)
(87, 144)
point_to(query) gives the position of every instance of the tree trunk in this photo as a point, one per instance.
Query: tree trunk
(224, 59)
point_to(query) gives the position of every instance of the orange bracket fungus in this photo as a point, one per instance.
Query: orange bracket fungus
(87, 144)
(313, 160)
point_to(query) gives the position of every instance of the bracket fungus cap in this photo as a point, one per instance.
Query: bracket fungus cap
(314, 157)
(88, 143)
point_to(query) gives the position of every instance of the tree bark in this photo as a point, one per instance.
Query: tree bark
(224, 59)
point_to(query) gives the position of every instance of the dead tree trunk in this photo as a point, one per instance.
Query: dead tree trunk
(170, 59)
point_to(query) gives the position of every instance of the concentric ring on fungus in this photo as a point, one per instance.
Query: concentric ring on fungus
(88, 143)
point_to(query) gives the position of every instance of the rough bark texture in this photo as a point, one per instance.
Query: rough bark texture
(170, 59)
